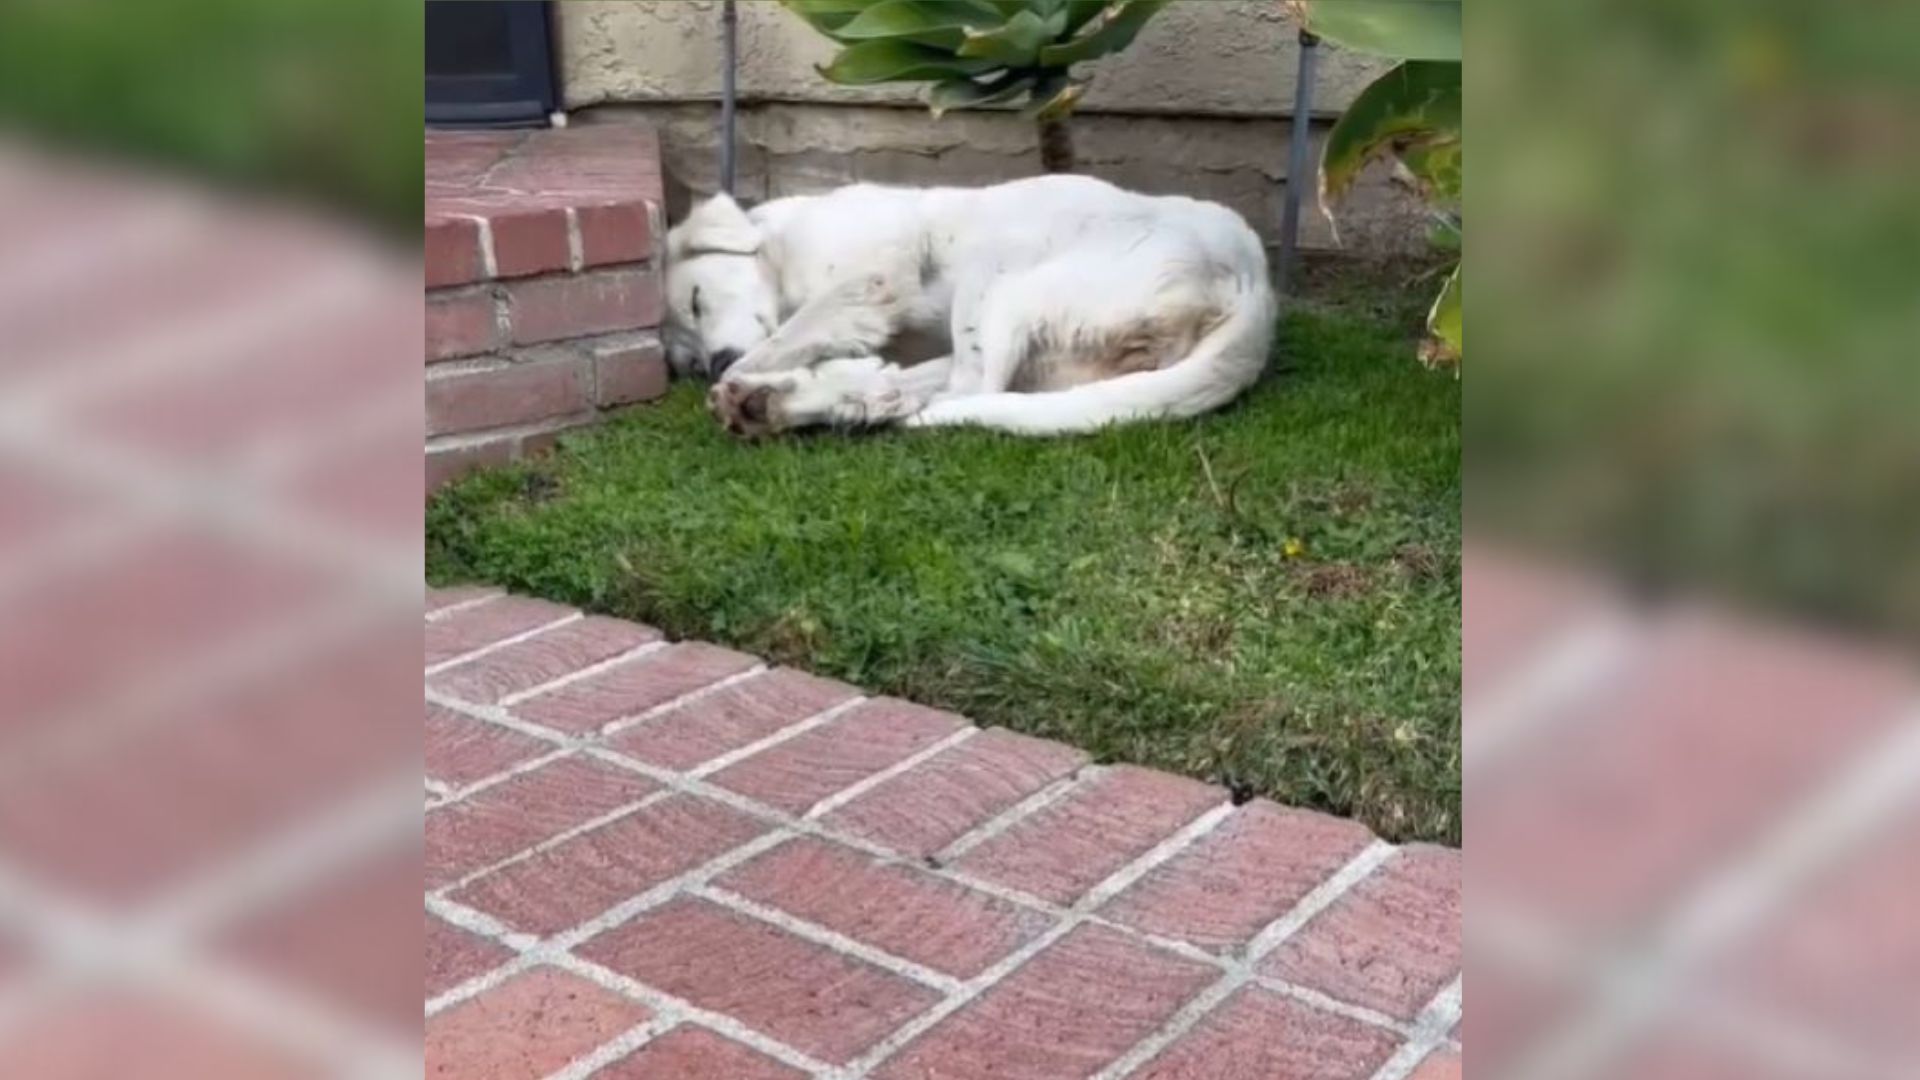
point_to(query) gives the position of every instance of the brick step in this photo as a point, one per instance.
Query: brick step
(542, 288)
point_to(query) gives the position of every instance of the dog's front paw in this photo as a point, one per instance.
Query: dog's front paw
(748, 410)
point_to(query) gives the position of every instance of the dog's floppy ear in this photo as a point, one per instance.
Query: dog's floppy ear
(717, 225)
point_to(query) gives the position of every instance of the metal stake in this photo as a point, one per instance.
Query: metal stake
(730, 25)
(1297, 157)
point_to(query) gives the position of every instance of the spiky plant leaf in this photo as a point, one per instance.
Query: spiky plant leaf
(1115, 28)
(883, 61)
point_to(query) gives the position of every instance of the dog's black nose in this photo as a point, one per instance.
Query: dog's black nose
(719, 362)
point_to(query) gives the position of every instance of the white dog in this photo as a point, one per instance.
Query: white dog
(1056, 304)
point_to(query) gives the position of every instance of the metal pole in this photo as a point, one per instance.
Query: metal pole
(1297, 157)
(730, 25)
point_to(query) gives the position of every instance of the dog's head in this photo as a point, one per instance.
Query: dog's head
(721, 299)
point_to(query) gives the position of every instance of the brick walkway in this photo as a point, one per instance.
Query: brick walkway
(663, 860)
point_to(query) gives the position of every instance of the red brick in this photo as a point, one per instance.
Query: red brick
(347, 941)
(1844, 954)
(572, 882)
(521, 812)
(937, 801)
(452, 252)
(106, 1031)
(694, 1053)
(1073, 1009)
(726, 720)
(453, 956)
(853, 746)
(1247, 872)
(1440, 1065)
(531, 241)
(528, 1026)
(441, 599)
(1692, 755)
(494, 393)
(632, 688)
(460, 750)
(823, 1004)
(628, 370)
(580, 305)
(461, 324)
(541, 659)
(1064, 850)
(1511, 609)
(448, 463)
(471, 628)
(1391, 943)
(615, 233)
(902, 911)
(1260, 1035)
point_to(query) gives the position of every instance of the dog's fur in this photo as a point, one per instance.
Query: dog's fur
(1056, 304)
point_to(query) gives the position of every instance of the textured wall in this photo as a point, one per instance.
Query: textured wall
(1222, 57)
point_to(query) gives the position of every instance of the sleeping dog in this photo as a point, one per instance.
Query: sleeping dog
(1056, 304)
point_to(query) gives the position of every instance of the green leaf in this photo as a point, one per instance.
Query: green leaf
(1447, 324)
(883, 61)
(1113, 31)
(1017, 43)
(1082, 12)
(827, 16)
(1414, 108)
(940, 23)
(1411, 29)
(968, 94)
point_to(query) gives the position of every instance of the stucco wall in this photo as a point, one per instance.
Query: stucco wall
(1201, 104)
(1213, 57)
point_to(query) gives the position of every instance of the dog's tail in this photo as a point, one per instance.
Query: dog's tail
(1225, 361)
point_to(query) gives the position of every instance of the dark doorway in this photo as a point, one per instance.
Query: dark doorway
(489, 63)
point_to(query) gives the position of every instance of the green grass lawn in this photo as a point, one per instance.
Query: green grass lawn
(1268, 597)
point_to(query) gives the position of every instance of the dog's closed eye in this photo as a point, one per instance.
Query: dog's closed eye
(693, 302)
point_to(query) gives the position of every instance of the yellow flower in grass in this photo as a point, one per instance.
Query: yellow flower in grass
(1294, 547)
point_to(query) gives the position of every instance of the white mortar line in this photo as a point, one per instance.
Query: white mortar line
(1650, 985)
(853, 791)
(1112, 886)
(630, 908)
(621, 723)
(1321, 898)
(1568, 669)
(668, 1005)
(1125, 877)
(557, 952)
(635, 1037)
(493, 780)
(461, 605)
(378, 814)
(576, 250)
(785, 734)
(437, 789)
(832, 939)
(1017, 813)
(496, 646)
(1241, 970)
(1308, 996)
(489, 263)
(167, 697)
(1430, 1032)
(646, 802)
(638, 652)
